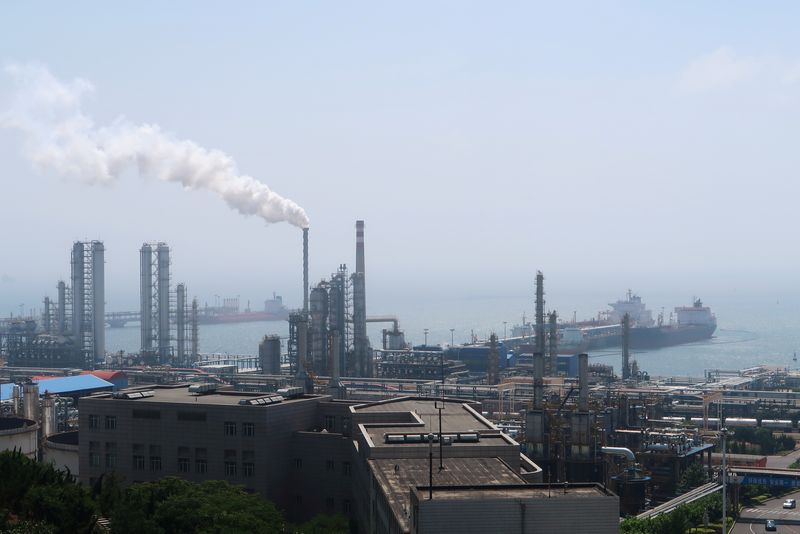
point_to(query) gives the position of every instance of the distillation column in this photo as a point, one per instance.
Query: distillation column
(146, 297)
(163, 303)
(98, 301)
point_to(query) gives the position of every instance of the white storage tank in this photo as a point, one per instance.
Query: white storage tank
(61, 450)
(21, 434)
(780, 424)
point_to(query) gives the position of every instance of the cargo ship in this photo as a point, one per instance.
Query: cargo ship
(688, 324)
(274, 310)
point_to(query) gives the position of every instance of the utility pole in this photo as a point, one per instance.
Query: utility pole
(724, 433)
(430, 466)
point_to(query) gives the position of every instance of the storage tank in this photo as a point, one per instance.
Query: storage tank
(734, 422)
(20, 434)
(61, 451)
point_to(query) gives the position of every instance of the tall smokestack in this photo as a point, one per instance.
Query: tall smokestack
(359, 246)
(363, 352)
(305, 270)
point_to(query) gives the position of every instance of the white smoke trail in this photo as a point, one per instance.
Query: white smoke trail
(60, 137)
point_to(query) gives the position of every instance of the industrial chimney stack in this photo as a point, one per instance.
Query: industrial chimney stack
(363, 352)
(359, 246)
(305, 270)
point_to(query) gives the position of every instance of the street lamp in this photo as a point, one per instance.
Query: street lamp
(724, 433)
(505, 331)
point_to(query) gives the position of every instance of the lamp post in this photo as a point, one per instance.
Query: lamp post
(505, 331)
(724, 433)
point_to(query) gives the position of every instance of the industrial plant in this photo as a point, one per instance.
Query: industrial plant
(397, 437)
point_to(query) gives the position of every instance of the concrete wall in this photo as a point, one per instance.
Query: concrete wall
(579, 515)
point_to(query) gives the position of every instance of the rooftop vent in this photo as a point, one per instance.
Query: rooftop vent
(261, 401)
(131, 395)
(447, 439)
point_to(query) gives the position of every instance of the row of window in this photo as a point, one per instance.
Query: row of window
(248, 429)
(330, 465)
(230, 427)
(139, 463)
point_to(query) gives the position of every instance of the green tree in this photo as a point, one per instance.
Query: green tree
(173, 505)
(692, 477)
(325, 524)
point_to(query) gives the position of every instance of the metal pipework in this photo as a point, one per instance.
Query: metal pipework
(61, 310)
(583, 382)
(619, 451)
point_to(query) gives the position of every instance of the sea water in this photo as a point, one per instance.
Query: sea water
(755, 330)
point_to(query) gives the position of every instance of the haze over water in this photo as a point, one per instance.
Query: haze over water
(753, 330)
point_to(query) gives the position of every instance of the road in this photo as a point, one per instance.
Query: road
(782, 462)
(753, 519)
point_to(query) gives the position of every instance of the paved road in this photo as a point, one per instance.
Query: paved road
(782, 462)
(753, 519)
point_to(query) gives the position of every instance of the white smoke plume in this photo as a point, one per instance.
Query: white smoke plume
(60, 137)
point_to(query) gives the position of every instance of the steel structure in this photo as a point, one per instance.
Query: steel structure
(155, 301)
(540, 328)
(88, 301)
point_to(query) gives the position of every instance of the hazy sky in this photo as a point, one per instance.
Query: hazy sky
(609, 144)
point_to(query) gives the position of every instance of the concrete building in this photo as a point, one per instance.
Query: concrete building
(313, 454)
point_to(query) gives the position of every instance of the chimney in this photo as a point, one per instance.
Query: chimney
(360, 246)
(583, 382)
(305, 270)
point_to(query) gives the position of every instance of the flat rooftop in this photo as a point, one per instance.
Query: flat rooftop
(420, 416)
(180, 395)
(398, 476)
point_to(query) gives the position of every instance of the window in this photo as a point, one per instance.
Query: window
(329, 423)
(155, 463)
(298, 463)
(201, 466)
(155, 457)
(329, 504)
(298, 500)
(230, 428)
(346, 469)
(248, 469)
(248, 430)
(346, 506)
(329, 465)
(230, 469)
(183, 465)
(94, 421)
(346, 425)
(111, 422)
(94, 453)
(138, 462)
(111, 455)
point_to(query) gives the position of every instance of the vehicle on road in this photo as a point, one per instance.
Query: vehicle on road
(770, 526)
(790, 503)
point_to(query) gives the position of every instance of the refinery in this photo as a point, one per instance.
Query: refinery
(480, 424)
